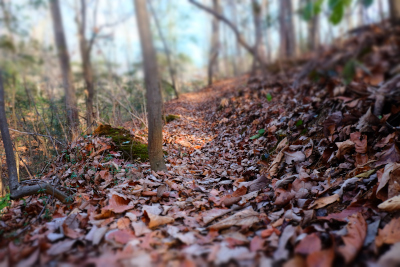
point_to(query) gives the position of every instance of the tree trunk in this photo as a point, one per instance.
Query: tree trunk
(258, 44)
(171, 69)
(237, 60)
(265, 14)
(85, 50)
(286, 30)
(215, 44)
(153, 93)
(17, 191)
(313, 29)
(394, 8)
(63, 56)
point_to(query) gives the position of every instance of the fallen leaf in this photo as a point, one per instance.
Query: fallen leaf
(292, 157)
(389, 155)
(390, 205)
(118, 204)
(390, 234)
(273, 170)
(245, 217)
(324, 201)
(157, 220)
(140, 228)
(309, 244)
(344, 148)
(123, 223)
(360, 142)
(210, 215)
(61, 247)
(120, 236)
(321, 258)
(354, 239)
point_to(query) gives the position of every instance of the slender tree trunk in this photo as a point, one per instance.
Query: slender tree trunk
(313, 29)
(394, 8)
(286, 31)
(153, 92)
(171, 69)
(215, 45)
(237, 60)
(258, 44)
(63, 56)
(85, 50)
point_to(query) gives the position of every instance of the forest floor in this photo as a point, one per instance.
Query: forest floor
(260, 173)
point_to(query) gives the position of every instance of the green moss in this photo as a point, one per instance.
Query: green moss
(171, 117)
(130, 147)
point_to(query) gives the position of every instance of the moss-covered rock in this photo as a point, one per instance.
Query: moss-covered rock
(131, 148)
(171, 117)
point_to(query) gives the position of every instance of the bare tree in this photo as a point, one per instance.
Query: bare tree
(63, 56)
(153, 92)
(215, 44)
(16, 189)
(286, 30)
(171, 69)
(239, 36)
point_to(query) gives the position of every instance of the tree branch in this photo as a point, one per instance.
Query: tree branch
(239, 37)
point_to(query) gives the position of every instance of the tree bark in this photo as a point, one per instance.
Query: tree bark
(258, 45)
(394, 8)
(313, 29)
(63, 56)
(215, 44)
(235, 30)
(17, 191)
(238, 58)
(85, 51)
(152, 83)
(286, 30)
(171, 69)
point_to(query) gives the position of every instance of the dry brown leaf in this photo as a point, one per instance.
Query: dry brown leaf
(61, 247)
(140, 228)
(120, 236)
(323, 258)
(292, 157)
(390, 205)
(309, 244)
(391, 179)
(324, 201)
(157, 220)
(123, 223)
(273, 170)
(245, 217)
(118, 204)
(390, 234)
(389, 155)
(360, 142)
(344, 148)
(354, 239)
(212, 214)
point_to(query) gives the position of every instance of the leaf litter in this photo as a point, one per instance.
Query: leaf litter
(261, 171)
